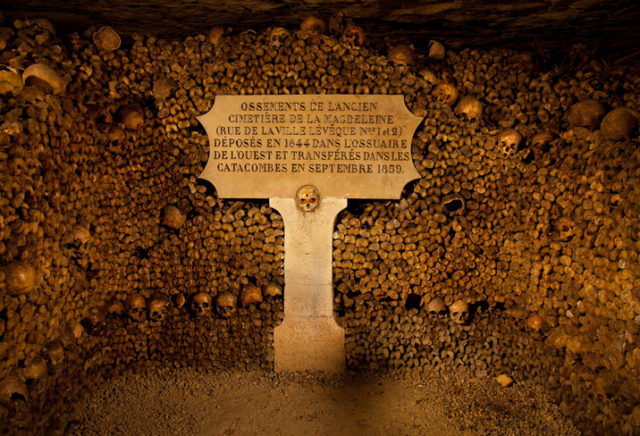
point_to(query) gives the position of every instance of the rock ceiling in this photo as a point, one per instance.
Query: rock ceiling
(606, 25)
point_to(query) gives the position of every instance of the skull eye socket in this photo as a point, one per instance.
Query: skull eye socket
(205, 305)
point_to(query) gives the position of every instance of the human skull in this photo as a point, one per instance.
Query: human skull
(107, 39)
(44, 77)
(36, 369)
(54, 353)
(131, 116)
(619, 124)
(354, 36)
(272, 289)
(12, 388)
(587, 113)
(250, 294)
(10, 81)
(215, 35)
(162, 88)
(31, 94)
(445, 93)
(307, 198)
(277, 36)
(93, 323)
(401, 55)
(459, 312)
(436, 307)
(158, 307)
(225, 304)
(509, 140)
(99, 115)
(135, 305)
(469, 108)
(200, 304)
(541, 139)
(337, 23)
(19, 277)
(313, 24)
(172, 217)
(535, 322)
(429, 76)
(436, 50)
(79, 235)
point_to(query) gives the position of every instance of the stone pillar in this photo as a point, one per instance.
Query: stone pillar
(309, 337)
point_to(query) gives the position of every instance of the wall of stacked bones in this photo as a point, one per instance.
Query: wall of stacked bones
(515, 252)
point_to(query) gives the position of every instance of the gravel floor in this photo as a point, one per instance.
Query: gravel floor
(190, 402)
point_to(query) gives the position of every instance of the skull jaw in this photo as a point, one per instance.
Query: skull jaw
(226, 312)
(460, 318)
(156, 316)
(136, 315)
(198, 312)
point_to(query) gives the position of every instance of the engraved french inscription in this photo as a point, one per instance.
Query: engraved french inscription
(348, 146)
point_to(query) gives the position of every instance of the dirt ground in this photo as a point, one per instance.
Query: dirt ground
(192, 402)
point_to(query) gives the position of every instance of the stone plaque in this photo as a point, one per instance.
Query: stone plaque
(347, 146)
(308, 154)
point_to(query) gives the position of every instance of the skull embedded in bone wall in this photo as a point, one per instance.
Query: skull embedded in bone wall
(587, 113)
(10, 81)
(158, 307)
(172, 217)
(45, 77)
(619, 124)
(469, 108)
(226, 304)
(94, 322)
(54, 353)
(509, 141)
(354, 36)
(272, 289)
(200, 304)
(19, 277)
(136, 306)
(401, 55)
(436, 307)
(106, 39)
(12, 388)
(278, 36)
(250, 294)
(459, 312)
(445, 93)
(314, 24)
